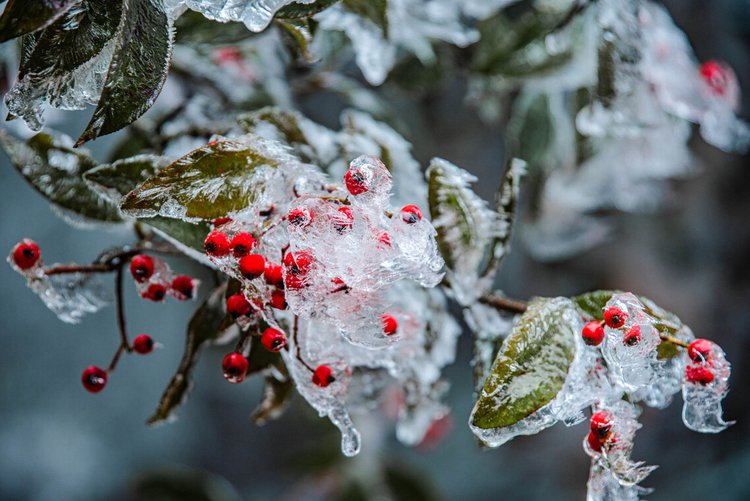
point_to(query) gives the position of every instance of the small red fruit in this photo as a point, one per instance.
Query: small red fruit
(235, 367)
(217, 244)
(343, 220)
(601, 424)
(700, 350)
(273, 274)
(143, 344)
(411, 214)
(356, 181)
(716, 75)
(242, 243)
(155, 292)
(593, 333)
(633, 336)
(94, 379)
(238, 305)
(390, 325)
(297, 266)
(698, 374)
(323, 376)
(300, 216)
(614, 317)
(252, 266)
(220, 221)
(26, 254)
(278, 300)
(184, 287)
(594, 442)
(273, 339)
(141, 267)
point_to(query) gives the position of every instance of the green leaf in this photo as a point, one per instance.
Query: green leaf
(21, 17)
(531, 129)
(374, 10)
(56, 171)
(209, 325)
(463, 221)
(532, 365)
(193, 28)
(207, 183)
(592, 304)
(138, 69)
(185, 235)
(119, 178)
(301, 31)
(74, 39)
(301, 10)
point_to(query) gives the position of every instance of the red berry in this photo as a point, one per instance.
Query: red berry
(297, 266)
(700, 350)
(273, 339)
(235, 367)
(217, 244)
(143, 344)
(633, 336)
(238, 305)
(614, 317)
(323, 376)
(356, 181)
(716, 75)
(343, 220)
(601, 424)
(220, 221)
(141, 267)
(26, 254)
(183, 286)
(411, 214)
(390, 325)
(94, 379)
(252, 266)
(273, 274)
(242, 243)
(155, 292)
(594, 442)
(300, 216)
(593, 333)
(339, 285)
(278, 300)
(698, 374)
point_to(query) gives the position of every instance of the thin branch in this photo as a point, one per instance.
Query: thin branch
(297, 352)
(674, 340)
(75, 268)
(504, 303)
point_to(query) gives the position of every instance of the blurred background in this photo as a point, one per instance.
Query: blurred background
(58, 442)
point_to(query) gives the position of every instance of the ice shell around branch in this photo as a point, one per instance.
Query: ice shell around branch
(603, 486)
(702, 410)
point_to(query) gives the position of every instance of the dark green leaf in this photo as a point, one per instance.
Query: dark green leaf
(592, 304)
(138, 69)
(301, 10)
(301, 31)
(59, 49)
(117, 179)
(531, 366)
(21, 17)
(56, 171)
(193, 28)
(531, 129)
(190, 235)
(209, 182)
(209, 325)
(374, 10)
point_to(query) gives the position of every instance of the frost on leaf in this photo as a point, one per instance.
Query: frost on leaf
(255, 14)
(21, 17)
(56, 170)
(465, 226)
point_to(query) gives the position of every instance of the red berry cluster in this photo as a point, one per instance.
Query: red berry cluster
(614, 318)
(154, 280)
(94, 378)
(601, 430)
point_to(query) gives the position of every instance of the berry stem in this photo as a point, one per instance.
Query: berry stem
(504, 303)
(121, 310)
(75, 268)
(297, 353)
(673, 340)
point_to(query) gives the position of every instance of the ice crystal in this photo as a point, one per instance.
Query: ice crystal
(702, 408)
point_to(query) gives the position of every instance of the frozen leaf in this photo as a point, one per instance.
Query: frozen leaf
(193, 28)
(299, 10)
(465, 226)
(21, 17)
(255, 14)
(489, 327)
(56, 170)
(187, 236)
(138, 68)
(531, 130)
(209, 325)
(212, 181)
(530, 370)
(117, 179)
(301, 31)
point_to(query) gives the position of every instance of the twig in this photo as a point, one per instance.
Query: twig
(75, 268)
(674, 340)
(124, 343)
(504, 303)
(297, 352)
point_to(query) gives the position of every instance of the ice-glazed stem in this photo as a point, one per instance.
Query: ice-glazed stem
(75, 268)
(297, 351)
(124, 343)
(504, 303)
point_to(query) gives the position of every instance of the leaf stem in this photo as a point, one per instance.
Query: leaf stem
(674, 340)
(504, 303)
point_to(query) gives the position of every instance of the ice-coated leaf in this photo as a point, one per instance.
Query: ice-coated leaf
(276, 393)
(465, 224)
(119, 178)
(138, 69)
(187, 236)
(21, 17)
(592, 304)
(256, 14)
(531, 129)
(505, 206)
(531, 366)
(56, 171)
(209, 325)
(374, 10)
(207, 183)
(296, 10)
(192, 28)
(301, 31)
